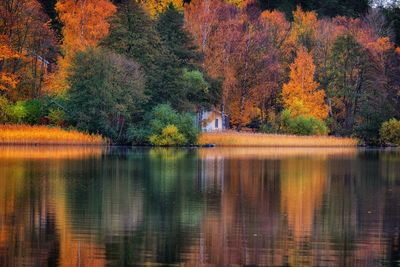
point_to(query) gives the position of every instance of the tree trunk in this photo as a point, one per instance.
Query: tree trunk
(242, 100)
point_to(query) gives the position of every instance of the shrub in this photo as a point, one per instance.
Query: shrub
(138, 134)
(34, 111)
(17, 112)
(164, 115)
(303, 125)
(390, 132)
(170, 136)
(56, 116)
(4, 105)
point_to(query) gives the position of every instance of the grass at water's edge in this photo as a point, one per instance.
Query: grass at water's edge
(44, 135)
(270, 140)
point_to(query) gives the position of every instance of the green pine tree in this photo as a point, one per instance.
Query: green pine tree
(170, 26)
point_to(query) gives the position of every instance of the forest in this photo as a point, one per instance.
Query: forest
(137, 71)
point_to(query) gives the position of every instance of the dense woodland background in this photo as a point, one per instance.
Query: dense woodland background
(136, 71)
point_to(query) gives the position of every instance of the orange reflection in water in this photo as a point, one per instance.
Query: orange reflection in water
(22, 209)
(283, 187)
(252, 153)
(50, 152)
(303, 183)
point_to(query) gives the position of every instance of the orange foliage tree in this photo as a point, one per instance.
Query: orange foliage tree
(84, 25)
(238, 46)
(301, 95)
(27, 45)
(7, 80)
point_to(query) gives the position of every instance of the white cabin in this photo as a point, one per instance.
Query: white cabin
(211, 121)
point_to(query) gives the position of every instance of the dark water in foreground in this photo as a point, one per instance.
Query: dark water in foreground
(207, 207)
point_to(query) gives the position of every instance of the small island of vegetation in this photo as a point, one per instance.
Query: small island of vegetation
(139, 72)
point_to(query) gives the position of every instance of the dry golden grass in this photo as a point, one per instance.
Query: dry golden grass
(270, 140)
(43, 135)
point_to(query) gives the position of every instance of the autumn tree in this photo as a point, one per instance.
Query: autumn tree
(213, 26)
(256, 70)
(327, 8)
(24, 28)
(278, 28)
(277, 31)
(49, 7)
(301, 94)
(84, 25)
(304, 28)
(379, 95)
(155, 7)
(327, 32)
(8, 80)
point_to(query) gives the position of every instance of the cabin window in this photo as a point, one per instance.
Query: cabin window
(216, 123)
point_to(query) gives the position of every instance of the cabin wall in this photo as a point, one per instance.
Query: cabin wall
(214, 122)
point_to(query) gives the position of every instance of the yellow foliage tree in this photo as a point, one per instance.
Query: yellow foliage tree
(304, 27)
(84, 25)
(154, 7)
(235, 2)
(301, 95)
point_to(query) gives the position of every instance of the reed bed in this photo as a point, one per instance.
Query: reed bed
(236, 139)
(43, 135)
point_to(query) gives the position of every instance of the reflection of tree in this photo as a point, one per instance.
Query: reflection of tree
(229, 235)
(173, 206)
(296, 208)
(303, 184)
(141, 204)
(33, 217)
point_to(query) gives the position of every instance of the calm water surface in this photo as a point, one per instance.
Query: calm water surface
(206, 207)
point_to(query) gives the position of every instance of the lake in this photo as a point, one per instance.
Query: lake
(90, 206)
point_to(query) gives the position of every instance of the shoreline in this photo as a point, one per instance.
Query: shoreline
(237, 139)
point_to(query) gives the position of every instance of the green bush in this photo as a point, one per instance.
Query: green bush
(17, 112)
(164, 115)
(170, 136)
(34, 111)
(303, 125)
(390, 132)
(138, 134)
(4, 106)
(266, 128)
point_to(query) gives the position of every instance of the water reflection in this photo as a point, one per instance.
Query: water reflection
(270, 207)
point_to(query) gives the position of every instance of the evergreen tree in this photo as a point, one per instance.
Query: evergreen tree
(170, 26)
(346, 70)
(106, 93)
(163, 56)
(133, 34)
